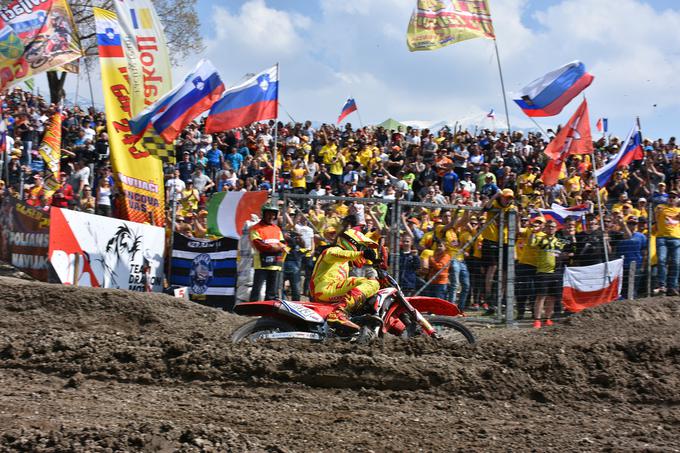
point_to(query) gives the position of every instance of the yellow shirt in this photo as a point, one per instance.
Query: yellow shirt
(342, 210)
(297, 177)
(526, 252)
(337, 165)
(668, 222)
(547, 251)
(491, 232)
(572, 184)
(328, 152)
(525, 182)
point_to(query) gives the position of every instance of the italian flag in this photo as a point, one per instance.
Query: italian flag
(229, 211)
(590, 286)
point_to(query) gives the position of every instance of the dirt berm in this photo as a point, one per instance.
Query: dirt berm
(104, 370)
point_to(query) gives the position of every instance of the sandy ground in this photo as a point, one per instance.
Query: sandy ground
(104, 370)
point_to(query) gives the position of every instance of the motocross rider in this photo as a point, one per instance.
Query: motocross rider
(331, 283)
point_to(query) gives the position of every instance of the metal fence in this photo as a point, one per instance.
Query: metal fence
(497, 286)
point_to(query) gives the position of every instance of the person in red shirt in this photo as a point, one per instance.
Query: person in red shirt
(269, 252)
(62, 197)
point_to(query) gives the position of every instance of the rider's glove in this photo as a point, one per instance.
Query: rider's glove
(370, 255)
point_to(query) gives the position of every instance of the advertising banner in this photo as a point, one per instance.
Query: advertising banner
(138, 174)
(441, 23)
(25, 237)
(35, 36)
(97, 251)
(207, 268)
(148, 63)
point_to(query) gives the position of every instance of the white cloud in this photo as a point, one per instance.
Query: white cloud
(257, 29)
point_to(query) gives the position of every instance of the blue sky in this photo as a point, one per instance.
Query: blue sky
(331, 49)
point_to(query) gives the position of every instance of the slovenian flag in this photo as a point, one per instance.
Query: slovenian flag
(548, 95)
(349, 107)
(229, 211)
(630, 151)
(108, 38)
(590, 286)
(256, 99)
(559, 213)
(174, 111)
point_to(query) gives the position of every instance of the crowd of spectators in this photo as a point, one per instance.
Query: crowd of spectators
(492, 170)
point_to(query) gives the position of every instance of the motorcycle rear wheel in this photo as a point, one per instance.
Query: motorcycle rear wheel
(253, 330)
(450, 329)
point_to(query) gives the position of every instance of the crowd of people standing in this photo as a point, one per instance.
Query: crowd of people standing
(483, 171)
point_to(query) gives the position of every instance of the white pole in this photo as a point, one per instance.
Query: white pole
(276, 136)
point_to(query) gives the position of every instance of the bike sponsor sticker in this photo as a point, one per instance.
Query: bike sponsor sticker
(301, 311)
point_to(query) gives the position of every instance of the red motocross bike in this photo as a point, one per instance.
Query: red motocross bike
(387, 312)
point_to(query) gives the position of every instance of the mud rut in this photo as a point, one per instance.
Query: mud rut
(105, 370)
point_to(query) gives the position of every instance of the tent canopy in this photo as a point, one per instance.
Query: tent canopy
(391, 124)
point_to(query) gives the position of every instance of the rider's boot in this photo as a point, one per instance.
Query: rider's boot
(338, 319)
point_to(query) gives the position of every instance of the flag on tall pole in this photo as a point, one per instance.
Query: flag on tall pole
(349, 107)
(549, 94)
(573, 138)
(434, 25)
(138, 175)
(630, 151)
(256, 99)
(50, 151)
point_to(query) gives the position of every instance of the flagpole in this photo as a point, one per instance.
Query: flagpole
(361, 123)
(75, 101)
(538, 126)
(276, 136)
(599, 208)
(89, 81)
(500, 72)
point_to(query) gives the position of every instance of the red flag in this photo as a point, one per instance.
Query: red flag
(573, 138)
(552, 171)
(599, 125)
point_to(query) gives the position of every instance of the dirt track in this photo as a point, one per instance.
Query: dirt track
(101, 370)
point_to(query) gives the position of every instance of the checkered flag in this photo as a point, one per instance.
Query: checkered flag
(156, 146)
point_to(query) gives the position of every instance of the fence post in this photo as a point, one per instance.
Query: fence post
(499, 285)
(395, 246)
(280, 290)
(632, 270)
(650, 213)
(510, 287)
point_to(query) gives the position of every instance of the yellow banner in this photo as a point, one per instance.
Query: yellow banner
(439, 23)
(139, 175)
(35, 36)
(50, 148)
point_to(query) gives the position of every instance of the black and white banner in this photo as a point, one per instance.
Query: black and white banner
(207, 268)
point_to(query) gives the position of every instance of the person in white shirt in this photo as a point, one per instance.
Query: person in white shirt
(174, 187)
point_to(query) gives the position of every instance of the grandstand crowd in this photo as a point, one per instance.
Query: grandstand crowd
(492, 170)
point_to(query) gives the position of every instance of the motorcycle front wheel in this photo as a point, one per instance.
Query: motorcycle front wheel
(255, 329)
(451, 330)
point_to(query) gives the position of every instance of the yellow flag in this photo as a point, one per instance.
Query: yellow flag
(439, 23)
(50, 151)
(139, 175)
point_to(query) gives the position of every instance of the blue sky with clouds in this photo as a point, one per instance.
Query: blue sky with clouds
(331, 49)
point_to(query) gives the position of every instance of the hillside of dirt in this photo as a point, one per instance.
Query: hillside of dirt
(104, 370)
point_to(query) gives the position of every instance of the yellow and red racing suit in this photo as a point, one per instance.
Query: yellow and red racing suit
(331, 282)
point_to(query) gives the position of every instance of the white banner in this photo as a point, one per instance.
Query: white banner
(146, 51)
(96, 251)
